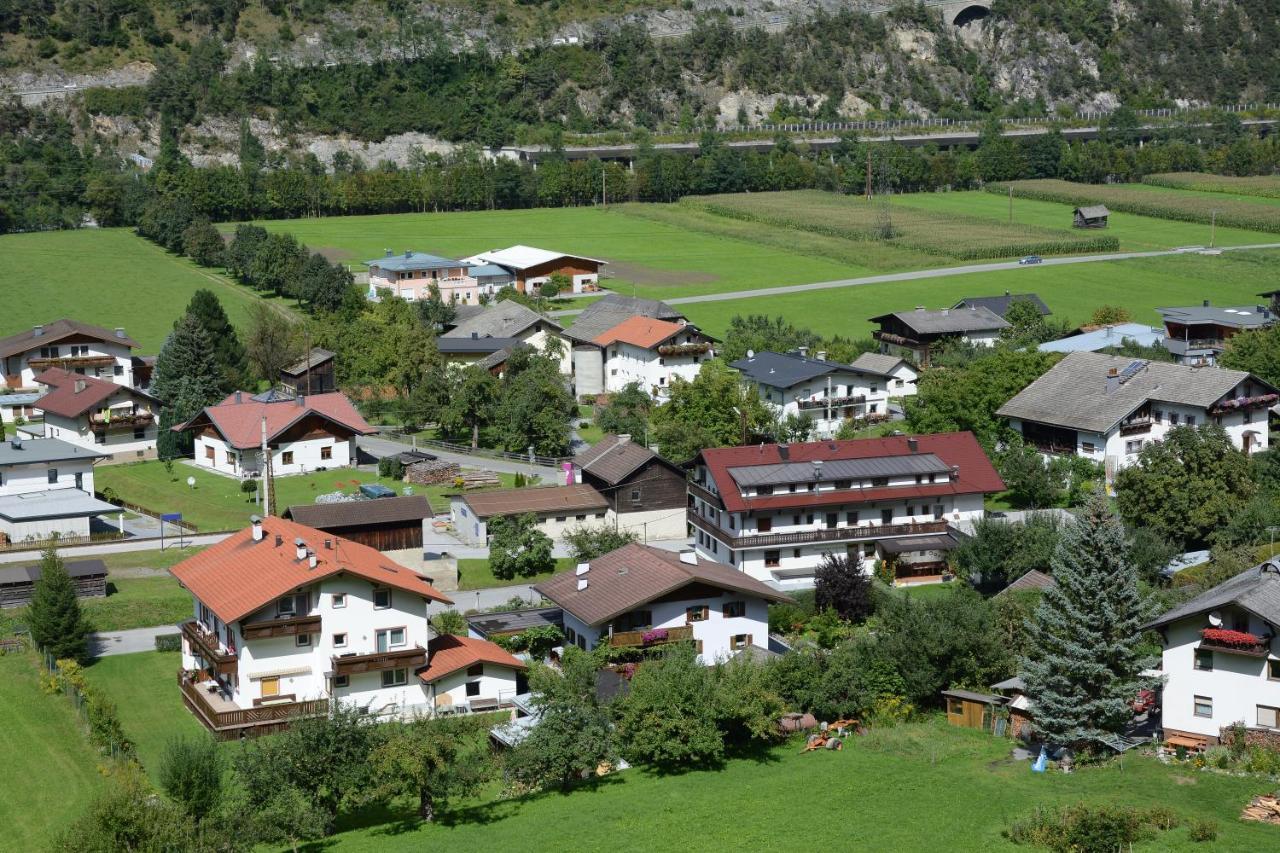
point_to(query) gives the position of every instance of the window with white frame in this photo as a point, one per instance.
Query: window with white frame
(339, 600)
(339, 641)
(302, 640)
(1268, 717)
(1203, 706)
(381, 598)
(395, 677)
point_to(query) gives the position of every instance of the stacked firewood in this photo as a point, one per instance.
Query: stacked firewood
(1265, 808)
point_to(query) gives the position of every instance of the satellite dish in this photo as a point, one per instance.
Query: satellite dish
(191, 481)
(1215, 619)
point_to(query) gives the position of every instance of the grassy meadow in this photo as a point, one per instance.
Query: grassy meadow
(49, 772)
(109, 277)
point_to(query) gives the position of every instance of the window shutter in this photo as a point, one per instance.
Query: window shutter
(748, 640)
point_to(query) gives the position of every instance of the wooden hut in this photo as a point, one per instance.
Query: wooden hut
(971, 710)
(385, 524)
(18, 583)
(1091, 216)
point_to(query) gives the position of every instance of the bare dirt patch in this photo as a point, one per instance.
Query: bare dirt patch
(332, 254)
(648, 275)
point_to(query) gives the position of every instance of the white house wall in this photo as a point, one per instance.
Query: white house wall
(1237, 684)
(654, 523)
(474, 530)
(497, 682)
(121, 372)
(306, 456)
(119, 443)
(20, 479)
(626, 363)
(715, 632)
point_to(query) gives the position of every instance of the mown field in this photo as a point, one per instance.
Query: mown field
(109, 277)
(951, 234)
(1260, 186)
(1249, 214)
(48, 771)
(1073, 291)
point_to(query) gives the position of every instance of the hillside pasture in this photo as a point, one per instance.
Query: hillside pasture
(1156, 202)
(950, 234)
(1259, 186)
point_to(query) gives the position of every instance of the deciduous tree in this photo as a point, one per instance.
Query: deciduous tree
(517, 548)
(191, 774)
(587, 543)
(843, 588)
(666, 719)
(714, 410)
(434, 760)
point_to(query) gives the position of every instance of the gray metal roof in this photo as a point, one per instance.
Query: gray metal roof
(601, 316)
(1256, 590)
(1237, 317)
(55, 503)
(910, 544)
(839, 469)
(948, 321)
(999, 305)
(482, 345)
(784, 370)
(38, 451)
(511, 621)
(1073, 394)
(31, 573)
(313, 359)
(504, 319)
(1093, 211)
(874, 362)
(415, 261)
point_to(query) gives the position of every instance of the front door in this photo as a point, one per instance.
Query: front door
(80, 477)
(270, 687)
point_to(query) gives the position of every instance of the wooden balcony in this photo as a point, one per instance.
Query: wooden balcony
(900, 340)
(706, 494)
(127, 419)
(833, 402)
(72, 362)
(399, 659)
(1260, 649)
(636, 638)
(227, 721)
(288, 627)
(206, 646)
(830, 534)
(1137, 425)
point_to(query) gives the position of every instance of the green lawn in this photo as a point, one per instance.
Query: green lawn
(48, 770)
(1072, 291)
(652, 258)
(109, 277)
(144, 687)
(216, 502)
(923, 787)
(475, 574)
(139, 603)
(1136, 233)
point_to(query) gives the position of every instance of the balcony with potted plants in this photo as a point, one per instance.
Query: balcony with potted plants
(1235, 642)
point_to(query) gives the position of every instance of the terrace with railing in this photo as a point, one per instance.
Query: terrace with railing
(205, 644)
(1235, 642)
(220, 716)
(833, 402)
(827, 534)
(71, 362)
(288, 627)
(353, 664)
(651, 637)
(121, 418)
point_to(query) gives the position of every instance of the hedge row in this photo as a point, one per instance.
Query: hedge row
(1232, 213)
(1262, 186)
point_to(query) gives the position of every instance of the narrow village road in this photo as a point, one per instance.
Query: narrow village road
(915, 275)
(380, 447)
(106, 643)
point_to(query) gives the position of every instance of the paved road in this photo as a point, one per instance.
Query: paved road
(914, 275)
(108, 643)
(379, 447)
(74, 551)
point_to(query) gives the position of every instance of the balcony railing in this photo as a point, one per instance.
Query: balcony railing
(72, 361)
(706, 494)
(830, 534)
(900, 340)
(287, 627)
(833, 402)
(399, 659)
(1260, 648)
(636, 638)
(1135, 426)
(205, 645)
(101, 419)
(1237, 404)
(221, 720)
(1054, 447)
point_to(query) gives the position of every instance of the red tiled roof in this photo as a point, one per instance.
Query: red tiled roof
(240, 423)
(448, 653)
(66, 401)
(958, 449)
(641, 331)
(237, 576)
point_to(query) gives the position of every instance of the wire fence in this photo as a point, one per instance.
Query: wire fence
(93, 713)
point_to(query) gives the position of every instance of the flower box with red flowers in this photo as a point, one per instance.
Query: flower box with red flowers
(1236, 641)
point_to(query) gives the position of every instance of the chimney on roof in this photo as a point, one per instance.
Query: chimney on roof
(973, 307)
(328, 544)
(1006, 293)
(624, 437)
(119, 331)
(688, 557)
(582, 584)
(946, 311)
(302, 399)
(820, 355)
(311, 559)
(408, 253)
(1113, 379)
(301, 547)
(955, 472)
(256, 521)
(16, 442)
(37, 331)
(913, 445)
(919, 307)
(279, 540)
(237, 396)
(804, 351)
(387, 253)
(751, 353)
(80, 385)
(817, 468)
(475, 336)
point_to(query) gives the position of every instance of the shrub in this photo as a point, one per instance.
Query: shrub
(110, 496)
(1203, 829)
(249, 487)
(449, 622)
(168, 642)
(1081, 828)
(391, 468)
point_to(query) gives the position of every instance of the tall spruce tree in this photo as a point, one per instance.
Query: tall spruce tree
(58, 626)
(186, 380)
(228, 351)
(1083, 668)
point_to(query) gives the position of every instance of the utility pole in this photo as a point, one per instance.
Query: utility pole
(1213, 227)
(1011, 202)
(268, 493)
(604, 187)
(868, 173)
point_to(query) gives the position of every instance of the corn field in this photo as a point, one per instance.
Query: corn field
(1263, 186)
(1232, 213)
(961, 238)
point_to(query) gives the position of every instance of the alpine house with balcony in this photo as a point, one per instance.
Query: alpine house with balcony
(1106, 408)
(774, 511)
(1219, 660)
(71, 345)
(99, 414)
(287, 620)
(829, 392)
(641, 596)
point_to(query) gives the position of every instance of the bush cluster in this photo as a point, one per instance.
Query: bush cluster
(105, 730)
(1083, 828)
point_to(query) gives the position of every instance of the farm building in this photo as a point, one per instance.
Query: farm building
(1091, 216)
(648, 494)
(532, 267)
(971, 710)
(312, 374)
(384, 524)
(558, 509)
(18, 583)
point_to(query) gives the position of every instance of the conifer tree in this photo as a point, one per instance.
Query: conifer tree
(1083, 669)
(228, 351)
(57, 624)
(186, 380)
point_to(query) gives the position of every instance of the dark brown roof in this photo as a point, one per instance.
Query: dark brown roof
(543, 499)
(614, 458)
(634, 574)
(73, 394)
(312, 360)
(335, 516)
(31, 574)
(57, 330)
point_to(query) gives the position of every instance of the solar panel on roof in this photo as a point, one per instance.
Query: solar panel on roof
(1133, 369)
(839, 469)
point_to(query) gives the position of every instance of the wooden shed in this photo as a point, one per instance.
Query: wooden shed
(1092, 216)
(971, 710)
(18, 583)
(385, 524)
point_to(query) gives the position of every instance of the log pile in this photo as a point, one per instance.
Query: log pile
(479, 480)
(1265, 808)
(431, 472)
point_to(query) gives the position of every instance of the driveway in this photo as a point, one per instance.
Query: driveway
(379, 447)
(127, 642)
(121, 547)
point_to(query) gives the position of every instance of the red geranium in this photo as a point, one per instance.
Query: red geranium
(1226, 637)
